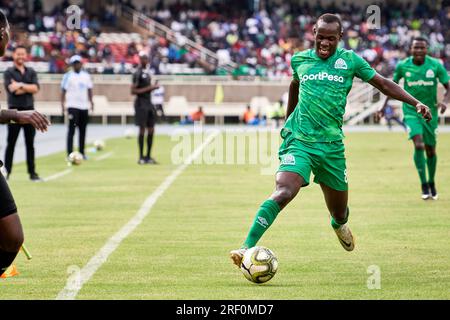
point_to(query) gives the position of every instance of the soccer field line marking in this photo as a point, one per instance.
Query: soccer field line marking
(57, 175)
(76, 281)
(105, 156)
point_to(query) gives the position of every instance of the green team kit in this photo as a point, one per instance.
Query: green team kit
(313, 132)
(421, 82)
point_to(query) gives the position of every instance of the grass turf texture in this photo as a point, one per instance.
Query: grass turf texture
(180, 251)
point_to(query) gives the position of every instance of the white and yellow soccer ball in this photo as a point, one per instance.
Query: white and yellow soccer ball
(75, 158)
(259, 264)
(129, 133)
(99, 145)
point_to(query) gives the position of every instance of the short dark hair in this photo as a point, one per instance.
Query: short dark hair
(3, 19)
(420, 38)
(330, 18)
(20, 46)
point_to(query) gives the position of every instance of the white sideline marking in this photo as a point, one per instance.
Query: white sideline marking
(57, 175)
(105, 156)
(78, 278)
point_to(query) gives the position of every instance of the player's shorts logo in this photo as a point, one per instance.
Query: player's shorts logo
(429, 74)
(340, 64)
(288, 159)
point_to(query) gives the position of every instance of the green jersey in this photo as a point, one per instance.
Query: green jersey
(324, 87)
(421, 81)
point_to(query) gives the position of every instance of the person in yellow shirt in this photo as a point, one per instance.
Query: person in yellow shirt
(277, 112)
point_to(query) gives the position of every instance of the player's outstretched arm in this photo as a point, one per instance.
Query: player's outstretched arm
(37, 120)
(293, 97)
(393, 90)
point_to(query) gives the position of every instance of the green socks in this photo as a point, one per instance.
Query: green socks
(336, 224)
(419, 160)
(431, 164)
(264, 218)
(421, 164)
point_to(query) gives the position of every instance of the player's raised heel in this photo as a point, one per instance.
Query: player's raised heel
(237, 255)
(345, 237)
(426, 191)
(433, 191)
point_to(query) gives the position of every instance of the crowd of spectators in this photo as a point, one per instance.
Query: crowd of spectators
(260, 42)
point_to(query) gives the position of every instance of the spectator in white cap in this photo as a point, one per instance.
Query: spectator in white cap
(76, 88)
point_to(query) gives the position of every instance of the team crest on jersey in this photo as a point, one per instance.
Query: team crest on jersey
(340, 64)
(408, 74)
(288, 159)
(430, 73)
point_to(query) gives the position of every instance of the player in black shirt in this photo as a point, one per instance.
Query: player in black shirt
(11, 233)
(144, 111)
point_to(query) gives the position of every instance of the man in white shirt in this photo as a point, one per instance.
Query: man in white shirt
(76, 88)
(158, 100)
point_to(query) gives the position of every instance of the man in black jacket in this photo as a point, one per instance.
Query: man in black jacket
(20, 84)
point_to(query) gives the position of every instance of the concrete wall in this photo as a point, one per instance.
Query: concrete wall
(194, 92)
(234, 92)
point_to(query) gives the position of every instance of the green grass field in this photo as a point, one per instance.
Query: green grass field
(180, 251)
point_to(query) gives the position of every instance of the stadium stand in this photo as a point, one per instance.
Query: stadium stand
(226, 41)
(261, 42)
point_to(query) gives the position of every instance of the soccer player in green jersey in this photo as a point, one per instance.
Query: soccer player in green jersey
(312, 135)
(421, 74)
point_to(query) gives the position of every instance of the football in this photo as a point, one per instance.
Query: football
(129, 133)
(259, 264)
(75, 158)
(99, 145)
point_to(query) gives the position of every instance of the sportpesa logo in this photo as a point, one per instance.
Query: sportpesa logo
(322, 76)
(419, 83)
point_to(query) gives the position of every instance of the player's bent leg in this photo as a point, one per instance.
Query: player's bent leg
(419, 161)
(431, 164)
(337, 202)
(288, 184)
(11, 240)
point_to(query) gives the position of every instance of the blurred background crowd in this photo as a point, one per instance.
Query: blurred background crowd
(260, 42)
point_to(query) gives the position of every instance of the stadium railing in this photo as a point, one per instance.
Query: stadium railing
(139, 20)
